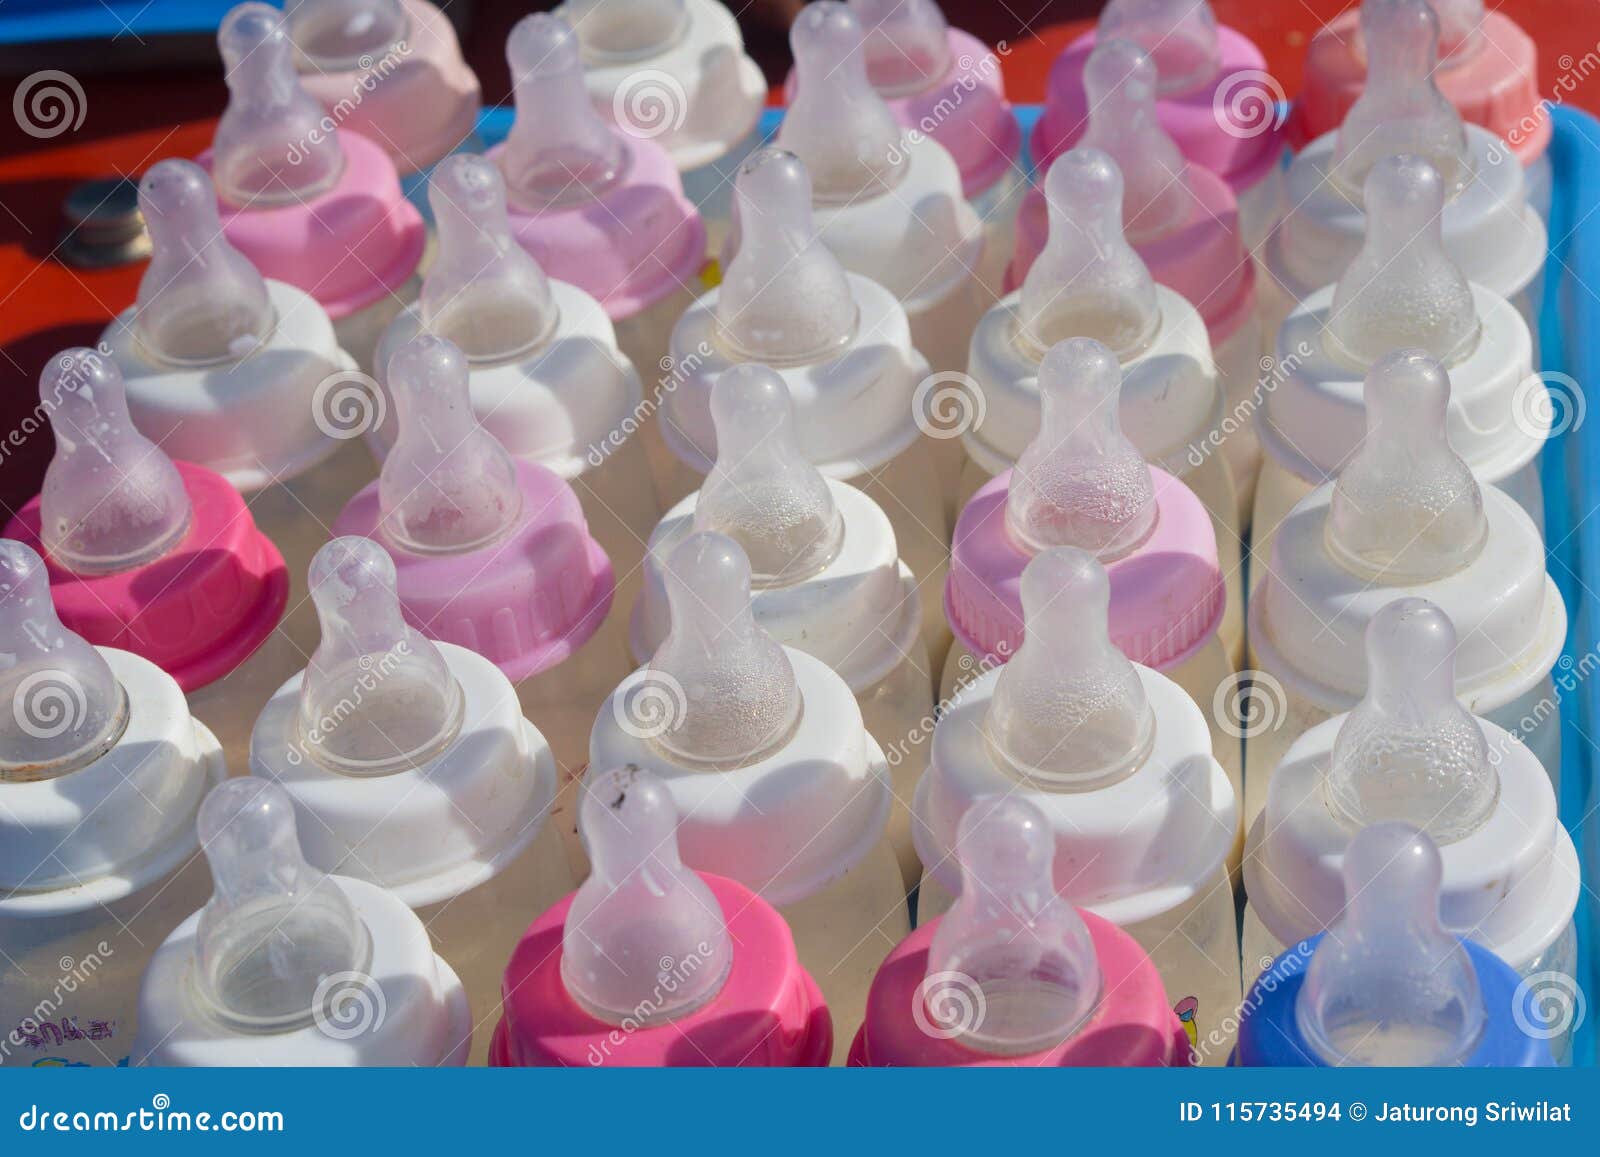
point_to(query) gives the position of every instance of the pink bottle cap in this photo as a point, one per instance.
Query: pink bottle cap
(491, 554)
(1488, 69)
(321, 210)
(596, 208)
(1081, 483)
(145, 554)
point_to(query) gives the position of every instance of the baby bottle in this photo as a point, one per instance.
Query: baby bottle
(242, 375)
(493, 555)
(826, 575)
(1183, 222)
(597, 207)
(1406, 517)
(102, 769)
(887, 201)
(156, 557)
(392, 71)
(675, 72)
(650, 964)
(1490, 230)
(1488, 70)
(411, 768)
(1118, 758)
(318, 207)
(843, 348)
(1013, 974)
(1081, 483)
(1410, 752)
(1389, 984)
(1215, 98)
(1402, 291)
(285, 966)
(777, 783)
(1089, 282)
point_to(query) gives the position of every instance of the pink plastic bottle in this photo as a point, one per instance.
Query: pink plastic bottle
(1013, 974)
(651, 964)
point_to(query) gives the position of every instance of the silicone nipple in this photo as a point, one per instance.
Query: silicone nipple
(1400, 110)
(1080, 482)
(63, 706)
(1180, 34)
(484, 291)
(1023, 948)
(1119, 80)
(559, 151)
(734, 690)
(1402, 289)
(837, 123)
(112, 500)
(785, 299)
(616, 31)
(1410, 751)
(645, 940)
(200, 301)
(907, 44)
(1088, 281)
(1406, 508)
(447, 485)
(1460, 28)
(377, 697)
(278, 936)
(334, 35)
(1069, 709)
(1388, 985)
(762, 493)
(273, 145)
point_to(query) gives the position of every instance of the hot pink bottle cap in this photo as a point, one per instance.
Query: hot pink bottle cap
(147, 555)
(321, 210)
(596, 207)
(491, 553)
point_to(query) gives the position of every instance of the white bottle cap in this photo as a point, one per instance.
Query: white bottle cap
(1180, 34)
(333, 34)
(907, 44)
(1120, 84)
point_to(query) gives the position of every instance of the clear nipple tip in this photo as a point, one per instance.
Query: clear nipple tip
(483, 291)
(200, 300)
(1400, 109)
(560, 151)
(1181, 35)
(618, 31)
(1388, 985)
(377, 696)
(1402, 289)
(112, 500)
(1410, 751)
(1069, 709)
(65, 707)
(645, 940)
(1011, 937)
(278, 935)
(1406, 508)
(1088, 281)
(447, 486)
(1080, 482)
(907, 44)
(1460, 28)
(837, 123)
(733, 687)
(1119, 81)
(334, 35)
(271, 146)
(761, 492)
(784, 299)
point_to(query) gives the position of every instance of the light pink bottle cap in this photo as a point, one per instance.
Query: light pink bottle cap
(490, 554)
(596, 208)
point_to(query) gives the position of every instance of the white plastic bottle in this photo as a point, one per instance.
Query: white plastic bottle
(1410, 752)
(1406, 517)
(102, 770)
(778, 784)
(412, 768)
(1118, 758)
(1401, 292)
(826, 576)
(286, 966)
